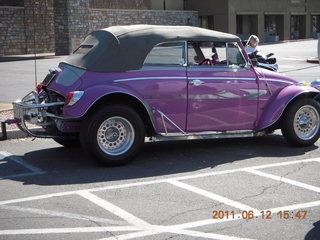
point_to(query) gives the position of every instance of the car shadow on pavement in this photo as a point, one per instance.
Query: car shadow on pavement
(73, 166)
(314, 233)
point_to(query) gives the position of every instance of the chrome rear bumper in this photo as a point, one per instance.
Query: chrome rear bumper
(31, 110)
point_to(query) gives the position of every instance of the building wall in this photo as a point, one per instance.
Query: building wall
(12, 36)
(225, 15)
(91, 19)
(27, 28)
(60, 25)
(120, 4)
(167, 4)
(216, 8)
(266, 7)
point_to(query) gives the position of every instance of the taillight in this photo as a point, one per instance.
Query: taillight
(73, 97)
(39, 87)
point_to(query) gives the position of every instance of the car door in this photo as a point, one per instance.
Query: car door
(163, 84)
(222, 89)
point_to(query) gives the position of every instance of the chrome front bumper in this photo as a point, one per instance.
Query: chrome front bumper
(31, 110)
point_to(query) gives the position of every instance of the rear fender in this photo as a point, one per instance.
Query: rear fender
(97, 92)
(277, 105)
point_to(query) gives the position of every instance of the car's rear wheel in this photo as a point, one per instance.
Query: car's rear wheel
(113, 135)
(301, 123)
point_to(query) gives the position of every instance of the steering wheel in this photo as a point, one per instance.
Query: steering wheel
(206, 61)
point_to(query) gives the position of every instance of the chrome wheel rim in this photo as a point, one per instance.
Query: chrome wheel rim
(306, 122)
(115, 136)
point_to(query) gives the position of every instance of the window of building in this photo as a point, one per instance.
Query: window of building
(246, 25)
(215, 54)
(171, 53)
(270, 24)
(315, 24)
(297, 26)
(206, 22)
(239, 24)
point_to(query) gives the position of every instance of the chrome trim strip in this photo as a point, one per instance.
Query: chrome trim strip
(213, 78)
(227, 78)
(163, 116)
(276, 80)
(145, 78)
(206, 135)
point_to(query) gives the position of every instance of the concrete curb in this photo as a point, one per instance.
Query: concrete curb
(10, 58)
(313, 60)
(5, 109)
(16, 134)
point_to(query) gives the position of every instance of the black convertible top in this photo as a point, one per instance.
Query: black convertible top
(124, 48)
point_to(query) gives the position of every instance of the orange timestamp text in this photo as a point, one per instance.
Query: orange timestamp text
(264, 214)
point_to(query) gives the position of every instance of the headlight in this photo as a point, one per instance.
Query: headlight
(316, 84)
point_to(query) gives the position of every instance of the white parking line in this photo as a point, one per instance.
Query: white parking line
(132, 235)
(212, 196)
(136, 184)
(207, 235)
(176, 231)
(143, 228)
(283, 179)
(68, 230)
(135, 221)
(62, 214)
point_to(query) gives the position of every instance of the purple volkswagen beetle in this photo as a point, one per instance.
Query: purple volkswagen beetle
(125, 83)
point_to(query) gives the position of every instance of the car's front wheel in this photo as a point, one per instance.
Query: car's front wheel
(301, 123)
(113, 135)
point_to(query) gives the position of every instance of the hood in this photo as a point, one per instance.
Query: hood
(265, 74)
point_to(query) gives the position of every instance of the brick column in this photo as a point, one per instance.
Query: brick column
(38, 26)
(71, 24)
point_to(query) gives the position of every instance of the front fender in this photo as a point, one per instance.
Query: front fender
(278, 104)
(93, 94)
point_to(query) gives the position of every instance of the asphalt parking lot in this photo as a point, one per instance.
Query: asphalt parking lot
(257, 188)
(253, 188)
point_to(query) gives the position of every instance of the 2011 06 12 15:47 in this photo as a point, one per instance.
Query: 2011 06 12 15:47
(264, 214)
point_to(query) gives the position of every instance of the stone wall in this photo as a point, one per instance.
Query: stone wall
(12, 31)
(61, 25)
(105, 18)
(82, 20)
(120, 4)
(24, 30)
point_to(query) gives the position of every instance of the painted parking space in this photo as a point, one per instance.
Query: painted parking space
(12, 166)
(190, 206)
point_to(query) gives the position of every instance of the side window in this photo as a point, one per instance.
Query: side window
(235, 57)
(171, 53)
(215, 54)
(207, 53)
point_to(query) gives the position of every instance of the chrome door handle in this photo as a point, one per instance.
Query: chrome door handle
(196, 82)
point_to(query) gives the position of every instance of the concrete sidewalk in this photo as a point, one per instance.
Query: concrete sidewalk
(12, 131)
(9, 58)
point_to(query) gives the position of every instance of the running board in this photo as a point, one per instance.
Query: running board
(205, 135)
